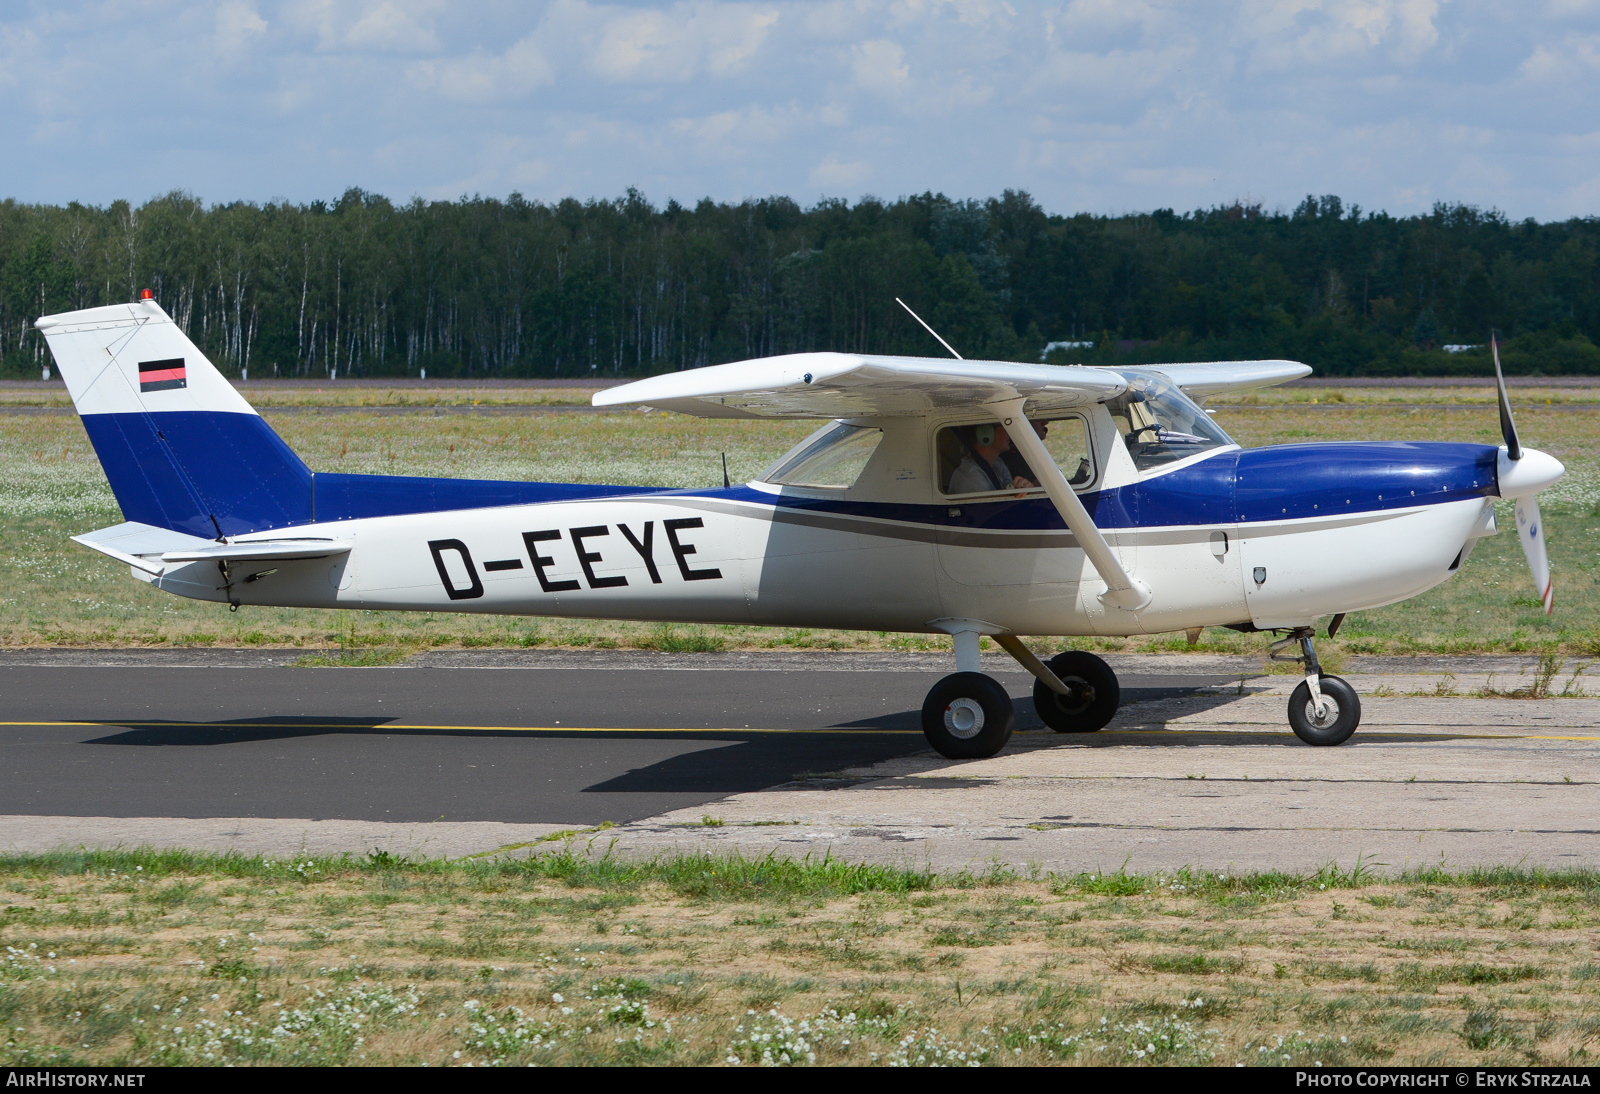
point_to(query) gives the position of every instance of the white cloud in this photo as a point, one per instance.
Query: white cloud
(1573, 57)
(400, 26)
(1097, 104)
(1286, 33)
(479, 79)
(676, 44)
(16, 44)
(880, 66)
(237, 23)
(502, 164)
(831, 173)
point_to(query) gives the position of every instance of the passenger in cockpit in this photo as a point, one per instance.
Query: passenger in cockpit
(984, 467)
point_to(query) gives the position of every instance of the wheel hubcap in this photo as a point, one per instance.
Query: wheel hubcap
(1079, 696)
(1329, 715)
(963, 718)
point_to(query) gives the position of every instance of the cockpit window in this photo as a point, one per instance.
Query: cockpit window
(833, 458)
(1161, 424)
(977, 459)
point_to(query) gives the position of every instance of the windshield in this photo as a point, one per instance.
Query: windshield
(1160, 423)
(833, 457)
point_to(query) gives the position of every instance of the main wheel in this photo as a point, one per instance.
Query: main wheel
(1092, 698)
(1340, 715)
(968, 716)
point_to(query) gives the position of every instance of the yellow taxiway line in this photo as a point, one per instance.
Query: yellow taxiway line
(1066, 738)
(110, 724)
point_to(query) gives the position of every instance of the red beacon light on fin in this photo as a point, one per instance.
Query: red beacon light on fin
(146, 294)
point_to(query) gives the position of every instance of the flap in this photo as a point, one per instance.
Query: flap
(846, 385)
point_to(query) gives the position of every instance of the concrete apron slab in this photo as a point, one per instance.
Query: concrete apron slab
(1213, 781)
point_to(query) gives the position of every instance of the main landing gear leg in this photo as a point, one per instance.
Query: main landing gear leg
(1323, 710)
(967, 715)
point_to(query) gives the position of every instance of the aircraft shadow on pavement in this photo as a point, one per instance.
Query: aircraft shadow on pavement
(227, 731)
(231, 732)
(248, 730)
(710, 764)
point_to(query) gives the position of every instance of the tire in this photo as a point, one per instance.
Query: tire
(1338, 722)
(968, 716)
(1094, 699)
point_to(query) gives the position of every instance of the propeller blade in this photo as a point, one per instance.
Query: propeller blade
(1530, 530)
(1508, 428)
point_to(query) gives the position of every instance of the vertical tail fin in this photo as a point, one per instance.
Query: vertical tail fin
(181, 448)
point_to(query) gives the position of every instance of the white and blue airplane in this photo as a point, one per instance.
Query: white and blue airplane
(971, 498)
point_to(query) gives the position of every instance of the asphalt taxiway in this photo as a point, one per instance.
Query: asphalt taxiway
(793, 753)
(583, 744)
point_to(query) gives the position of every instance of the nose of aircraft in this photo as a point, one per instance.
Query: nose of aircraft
(1525, 477)
(1327, 479)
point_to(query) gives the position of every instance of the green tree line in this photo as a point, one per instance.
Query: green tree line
(484, 287)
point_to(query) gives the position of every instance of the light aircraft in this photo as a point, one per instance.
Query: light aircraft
(973, 498)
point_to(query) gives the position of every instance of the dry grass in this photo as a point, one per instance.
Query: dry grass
(55, 593)
(1477, 395)
(123, 959)
(309, 394)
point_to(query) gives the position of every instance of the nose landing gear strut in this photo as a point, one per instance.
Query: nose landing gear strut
(1323, 710)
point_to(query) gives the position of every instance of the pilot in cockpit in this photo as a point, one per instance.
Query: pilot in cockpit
(985, 466)
(982, 459)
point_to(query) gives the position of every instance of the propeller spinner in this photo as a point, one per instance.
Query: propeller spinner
(1530, 528)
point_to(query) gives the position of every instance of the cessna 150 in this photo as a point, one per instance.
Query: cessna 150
(966, 497)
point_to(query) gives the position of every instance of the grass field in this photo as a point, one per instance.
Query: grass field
(124, 959)
(55, 593)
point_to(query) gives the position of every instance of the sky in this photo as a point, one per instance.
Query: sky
(1103, 106)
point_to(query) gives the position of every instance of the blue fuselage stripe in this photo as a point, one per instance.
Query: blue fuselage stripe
(185, 469)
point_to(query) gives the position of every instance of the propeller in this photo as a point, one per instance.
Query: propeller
(1530, 528)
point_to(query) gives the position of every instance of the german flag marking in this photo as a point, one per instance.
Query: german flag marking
(162, 375)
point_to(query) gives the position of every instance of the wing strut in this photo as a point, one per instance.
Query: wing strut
(1122, 590)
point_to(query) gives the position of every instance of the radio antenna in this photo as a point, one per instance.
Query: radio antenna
(929, 329)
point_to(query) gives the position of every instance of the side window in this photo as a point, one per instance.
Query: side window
(976, 459)
(1068, 442)
(832, 457)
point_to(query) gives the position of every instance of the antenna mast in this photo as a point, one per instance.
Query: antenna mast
(929, 329)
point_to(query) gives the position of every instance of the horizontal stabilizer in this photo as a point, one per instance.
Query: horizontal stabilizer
(283, 549)
(148, 548)
(132, 541)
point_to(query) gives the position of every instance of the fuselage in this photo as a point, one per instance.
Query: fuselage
(1269, 537)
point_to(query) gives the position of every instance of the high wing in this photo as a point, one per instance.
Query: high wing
(850, 385)
(842, 385)
(1201, 379)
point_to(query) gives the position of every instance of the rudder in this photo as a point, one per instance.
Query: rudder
(180, 447)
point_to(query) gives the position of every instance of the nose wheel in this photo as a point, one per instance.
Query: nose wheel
(1335, 722)
(968, 716)
(1323, 710)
